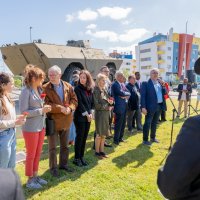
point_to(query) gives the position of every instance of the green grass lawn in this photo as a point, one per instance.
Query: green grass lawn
(130, 172)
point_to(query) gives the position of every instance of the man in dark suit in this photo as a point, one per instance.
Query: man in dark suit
(121, 95)
(138, 115)
(152, 102)
(184, 90)
(179, 179)
(133, 102)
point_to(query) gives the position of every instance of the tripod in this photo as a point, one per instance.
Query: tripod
(190, 106)
(173, 118)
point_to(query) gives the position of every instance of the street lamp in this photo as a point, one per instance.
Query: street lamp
(30, 33)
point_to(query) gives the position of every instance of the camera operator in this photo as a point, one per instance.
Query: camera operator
(185, 90)
(179, 179)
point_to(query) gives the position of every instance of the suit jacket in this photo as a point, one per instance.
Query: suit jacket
(149, 98)
(180, 88)
(133, 102)
(31, 103)
(118, 93)
(179, 178)
(62, 122)
(138, 87)
(85, 103)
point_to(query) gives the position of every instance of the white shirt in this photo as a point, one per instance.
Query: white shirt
(7, 121)
(183, 96)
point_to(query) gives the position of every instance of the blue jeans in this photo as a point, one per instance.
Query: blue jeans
(7, 148)
(151, 120)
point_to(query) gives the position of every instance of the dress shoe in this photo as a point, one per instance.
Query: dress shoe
(107, 145)
(147, 143)
(84, 163)
(103, 154)
(54, 172)
(140, 129)
(154, 140)
(67, 169)
(122, 140)
(98, 155)
(116, 143)
(77, 162)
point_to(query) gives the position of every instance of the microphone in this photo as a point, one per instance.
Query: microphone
(197, 66)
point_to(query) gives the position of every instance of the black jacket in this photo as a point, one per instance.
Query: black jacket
(85, 103)
(180, 88)
(179, 179)
(10, 186)
(133, 102)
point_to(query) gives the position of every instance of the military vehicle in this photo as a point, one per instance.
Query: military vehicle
(76, 55)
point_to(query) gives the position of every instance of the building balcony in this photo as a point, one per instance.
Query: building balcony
(161, 43)
(160, 52)
(161, 61)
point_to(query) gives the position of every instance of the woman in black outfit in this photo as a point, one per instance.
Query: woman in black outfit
(83, 115)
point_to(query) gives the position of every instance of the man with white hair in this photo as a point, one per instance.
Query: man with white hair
(121, 95)
(62, 98)
(152, 102)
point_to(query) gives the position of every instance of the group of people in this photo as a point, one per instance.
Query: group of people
(75, 104)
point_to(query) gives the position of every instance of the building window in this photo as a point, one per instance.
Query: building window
(169, 57)
(169, 48)
(146, 67)
(145, 59)
(145, 50)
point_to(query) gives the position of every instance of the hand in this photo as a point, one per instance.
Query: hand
(20, 120)
(110, 101)
(111, 108)
(89, 117)
(144, 111)
(46, 109)
(68, 110)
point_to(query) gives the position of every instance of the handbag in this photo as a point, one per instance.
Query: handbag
(50, 126)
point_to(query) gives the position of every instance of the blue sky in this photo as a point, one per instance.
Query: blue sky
(109, 24)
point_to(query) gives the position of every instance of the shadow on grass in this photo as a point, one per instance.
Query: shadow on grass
(140, 155)
(65, 176)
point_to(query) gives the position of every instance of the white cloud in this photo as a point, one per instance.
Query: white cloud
(115, 13)
(69, 18)
(129, 35)
(126, 22)
(91, 26)
(87, 15)
(132, 35)
(105, 34)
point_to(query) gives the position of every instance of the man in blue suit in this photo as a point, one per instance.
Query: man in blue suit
(121, 95)
(152, 103)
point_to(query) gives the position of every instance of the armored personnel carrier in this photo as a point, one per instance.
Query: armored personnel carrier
(76, 55)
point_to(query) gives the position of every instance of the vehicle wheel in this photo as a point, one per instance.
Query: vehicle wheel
(67, 75)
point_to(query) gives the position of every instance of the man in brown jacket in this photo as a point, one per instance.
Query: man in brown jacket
(60, 95)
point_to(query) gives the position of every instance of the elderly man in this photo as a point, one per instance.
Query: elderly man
(121, 96)
(184, 90)
(152, 102)
(60, 95)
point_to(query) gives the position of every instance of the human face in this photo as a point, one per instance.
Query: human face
(137, 76)
(185, 80)
(37, 82)
(132, 80)
(83, 79)
(120, 78)
(154, 75)
(102, 83)
(9, 86)
(54, 77)
(106, 72)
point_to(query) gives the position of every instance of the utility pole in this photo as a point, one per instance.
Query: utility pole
(30, 33)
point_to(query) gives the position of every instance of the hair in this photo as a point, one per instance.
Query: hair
(137, 73)
(100, 77)
(131, 76)
(33, 72)
(89, 83)
(29, 66)
(118, 73)
(55, 68)
(103, 67)
(154, 69)
(4, 80)
(76, 72)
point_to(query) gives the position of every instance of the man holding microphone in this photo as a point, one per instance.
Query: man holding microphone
(152, 103)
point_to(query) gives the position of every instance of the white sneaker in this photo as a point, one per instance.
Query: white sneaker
(33, 184)
(40, 180)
